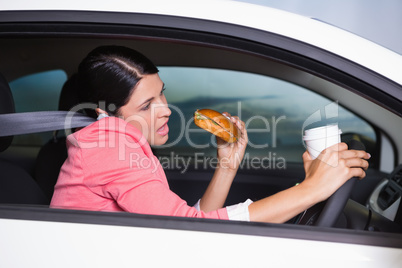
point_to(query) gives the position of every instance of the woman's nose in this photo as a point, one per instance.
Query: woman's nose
(163, 110)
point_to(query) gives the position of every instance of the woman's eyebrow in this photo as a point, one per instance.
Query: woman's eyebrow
(151, 98)
(148, 100)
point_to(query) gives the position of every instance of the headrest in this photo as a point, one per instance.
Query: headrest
(69, 96)
(6, 106)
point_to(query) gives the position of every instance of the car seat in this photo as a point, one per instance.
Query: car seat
(16, 185)
(53, 154)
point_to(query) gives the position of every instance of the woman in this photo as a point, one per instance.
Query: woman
(111, 167)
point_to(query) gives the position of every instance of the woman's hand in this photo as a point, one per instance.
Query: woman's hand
(230, 155)
(333, 167)
(324, 175)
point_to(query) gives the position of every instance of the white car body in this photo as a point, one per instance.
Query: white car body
(340, 42)
(84, 245)
(52, 243)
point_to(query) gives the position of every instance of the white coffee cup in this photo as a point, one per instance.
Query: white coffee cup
(317, 139)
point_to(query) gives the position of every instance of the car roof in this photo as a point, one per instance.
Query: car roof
(304, 29)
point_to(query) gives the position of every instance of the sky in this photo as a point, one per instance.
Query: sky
(375, 20)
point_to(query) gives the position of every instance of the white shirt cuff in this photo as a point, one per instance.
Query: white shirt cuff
(197, 205)
(239, 212)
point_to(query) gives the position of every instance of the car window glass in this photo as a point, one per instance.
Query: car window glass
(37, 92)
(275, 112)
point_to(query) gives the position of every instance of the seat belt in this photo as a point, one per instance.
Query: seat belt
(33, 122)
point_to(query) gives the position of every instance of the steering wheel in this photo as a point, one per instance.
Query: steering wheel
(325, 214)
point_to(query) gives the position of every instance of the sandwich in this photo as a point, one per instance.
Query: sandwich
(216, 123)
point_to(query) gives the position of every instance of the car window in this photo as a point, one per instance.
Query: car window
(37, 92)
(275, 112)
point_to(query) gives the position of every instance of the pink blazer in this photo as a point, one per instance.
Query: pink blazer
(110, 167)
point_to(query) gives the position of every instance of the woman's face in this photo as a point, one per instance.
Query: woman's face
(147, 109)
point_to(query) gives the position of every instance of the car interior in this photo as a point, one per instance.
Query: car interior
(30, 168)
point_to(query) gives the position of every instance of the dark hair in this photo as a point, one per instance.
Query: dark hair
(110, 73)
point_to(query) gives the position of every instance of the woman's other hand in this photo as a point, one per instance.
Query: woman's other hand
(324, 175)
(332, 168)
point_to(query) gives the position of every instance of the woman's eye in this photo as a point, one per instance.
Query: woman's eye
(163, 89)
(146, 107)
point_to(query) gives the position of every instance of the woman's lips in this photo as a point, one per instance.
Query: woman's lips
(164, 130)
